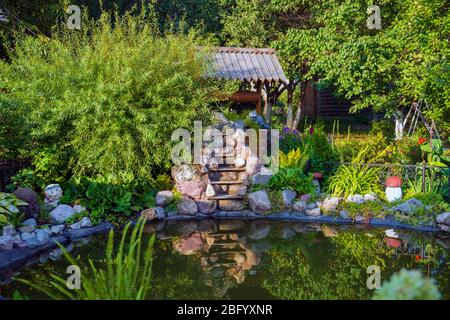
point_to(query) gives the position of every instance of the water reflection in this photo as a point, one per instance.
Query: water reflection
(235, 259)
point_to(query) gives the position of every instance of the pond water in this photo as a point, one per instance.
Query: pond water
(234, 259)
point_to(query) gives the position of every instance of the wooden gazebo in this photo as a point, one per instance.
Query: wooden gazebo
(257, 66)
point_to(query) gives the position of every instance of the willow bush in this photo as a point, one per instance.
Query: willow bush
(106, 98)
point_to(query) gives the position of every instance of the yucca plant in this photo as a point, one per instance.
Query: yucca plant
(126, 276)
(355, 178)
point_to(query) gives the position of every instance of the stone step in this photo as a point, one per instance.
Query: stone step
(226, 169)
(227, 182)
(226, 197)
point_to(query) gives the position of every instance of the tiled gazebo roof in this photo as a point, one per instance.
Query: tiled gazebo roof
(246, 64)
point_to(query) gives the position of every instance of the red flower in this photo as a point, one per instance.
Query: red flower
(421, 140)
(418, 258)
(311, 130)
(394, 182)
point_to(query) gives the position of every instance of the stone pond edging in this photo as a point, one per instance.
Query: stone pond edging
(15, 258)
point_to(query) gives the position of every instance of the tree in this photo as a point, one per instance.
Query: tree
(107, 98)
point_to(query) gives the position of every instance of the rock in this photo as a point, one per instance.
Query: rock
(210, 192)
(185, 172)
(239, 162)
(311, 206)
(42, 236)
(27, 236)
(57, 229)
(409, 206)
(443, 218)
(299, 206)
(6, 243)
(190, 245)
(329, 231)
(237, 190)
(231, 205)
(360, 219)
(370, 197)
(305, 197)
(313, 212)
(206, 206)
(330, 204)
(163, 198)
(288, 197)
(186, 227)
(78, 208)
(187, 206)
(30, 222)
(61, 213)
(9, 230)
(75, 226)
(31, 197)
(253, 165)
(357, 198)
(219, 118)
(444, 227)
(344, 214)
(192, 189)
(391, 233)
(53, 193)
(86, 222)
(26, 229)
(259, 201)
(287, 232)
(259, 230)
(231, 225)
(150, 214)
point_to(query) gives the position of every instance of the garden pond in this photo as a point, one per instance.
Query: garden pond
(237, 259)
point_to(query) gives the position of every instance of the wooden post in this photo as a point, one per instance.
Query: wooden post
(258, 104)
(423, 176)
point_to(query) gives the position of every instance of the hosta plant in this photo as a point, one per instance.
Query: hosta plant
(9, 211)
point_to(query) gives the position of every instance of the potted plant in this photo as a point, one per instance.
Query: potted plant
(393, 188)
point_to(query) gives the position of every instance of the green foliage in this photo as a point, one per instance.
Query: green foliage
(436, 181)
(408, 285)
(125, 276)
(435, 153)
(369, 208)
(291, 178)
(108, 200)
(9, 211)
(289, 140)
(319, 150)
(295, 158)
(355, 178)
(106, 100)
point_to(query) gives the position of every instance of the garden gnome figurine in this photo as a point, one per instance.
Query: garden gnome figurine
(394, 188)
(53, 193)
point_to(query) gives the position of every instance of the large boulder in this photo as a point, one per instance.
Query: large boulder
(163, 198)
(185, 172)
(187, 206)
(231, 205)
(313, 212)
(206, 206)
(262, 177)
(192, 189)
(29, 196)
(356, 198)
(237, 190)
(409, 206)
(443, 218)
(259, 201)
(330, 204)
(61, 213)
(288, 197)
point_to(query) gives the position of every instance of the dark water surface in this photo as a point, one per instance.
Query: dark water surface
(233, 259)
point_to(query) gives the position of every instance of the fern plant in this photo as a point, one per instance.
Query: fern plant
(125, 276)
(294, 158)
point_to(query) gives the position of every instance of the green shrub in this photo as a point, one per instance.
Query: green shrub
(319, 150)
(408, 285)
(106, 99)
(293, 179)
(125, 276)
(355, 178)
